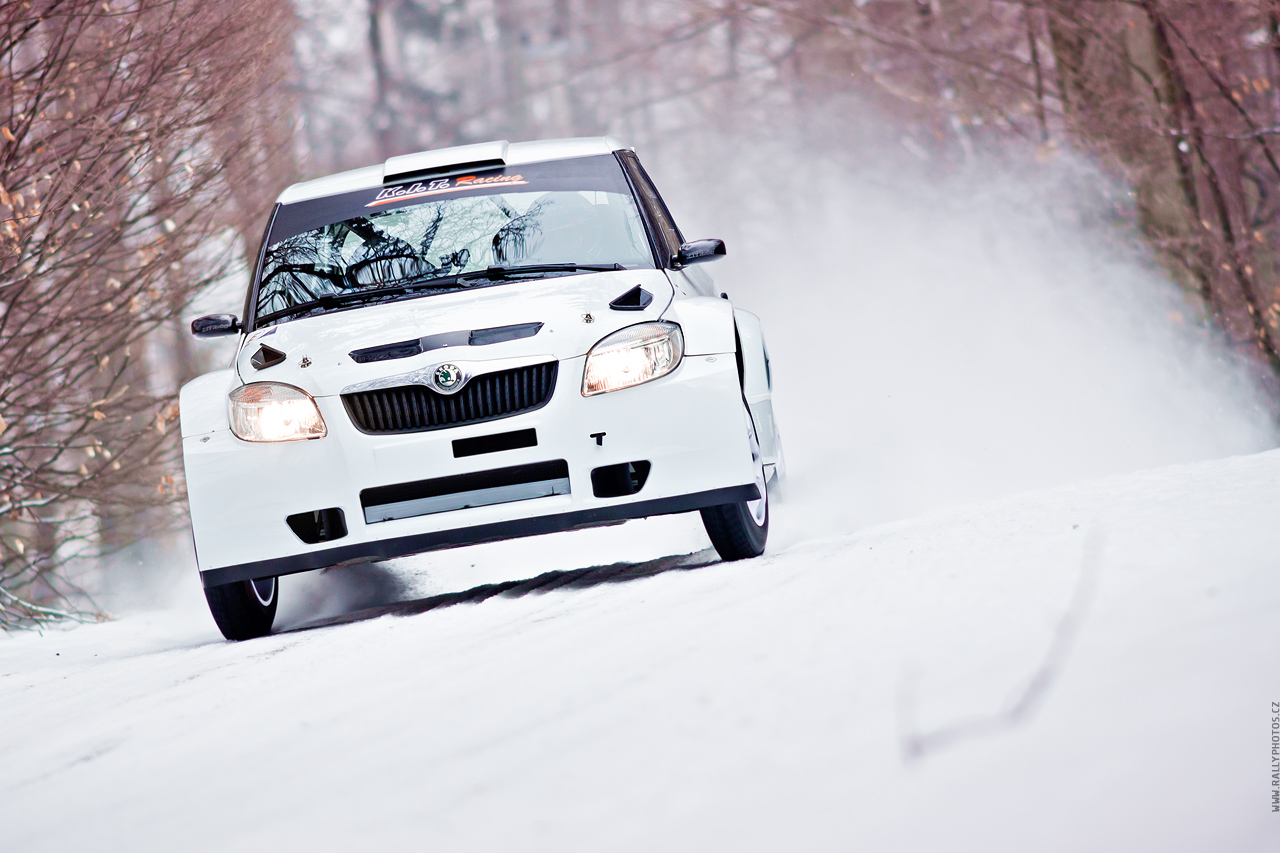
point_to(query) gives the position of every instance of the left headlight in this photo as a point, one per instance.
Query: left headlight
(270, 411)
(632, 356)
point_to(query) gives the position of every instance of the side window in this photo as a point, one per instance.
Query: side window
(655, 210)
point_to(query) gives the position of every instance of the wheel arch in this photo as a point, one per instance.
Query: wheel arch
(757, 384)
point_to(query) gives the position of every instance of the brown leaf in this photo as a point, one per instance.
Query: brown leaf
(111, 399)
(8, 134)
(98, 416)
(160, 422)
(3, 426)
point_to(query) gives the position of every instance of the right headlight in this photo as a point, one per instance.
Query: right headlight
(632, 356)
(272, 411)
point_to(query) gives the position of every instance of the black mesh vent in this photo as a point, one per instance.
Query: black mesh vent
(414, 408)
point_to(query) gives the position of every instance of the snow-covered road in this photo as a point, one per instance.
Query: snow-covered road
(1085, 668)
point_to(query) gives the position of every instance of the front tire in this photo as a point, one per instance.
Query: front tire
(244, 609)
(739, 530)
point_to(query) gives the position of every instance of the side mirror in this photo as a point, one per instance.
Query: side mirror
(699, 251)
(216, 326)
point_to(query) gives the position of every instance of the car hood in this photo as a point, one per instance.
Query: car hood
(573, 310)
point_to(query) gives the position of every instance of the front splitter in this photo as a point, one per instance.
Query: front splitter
(404, 546)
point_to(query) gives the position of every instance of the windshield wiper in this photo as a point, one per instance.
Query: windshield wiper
(498, 273)
(333, 300)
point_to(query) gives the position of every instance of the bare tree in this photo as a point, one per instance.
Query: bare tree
(1178, 97)
(139, 141)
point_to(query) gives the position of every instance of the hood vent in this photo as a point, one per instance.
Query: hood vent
(635, 299)
(404, 349)
(473, 338)
(266, 357)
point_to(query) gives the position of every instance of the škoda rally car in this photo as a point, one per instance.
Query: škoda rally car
(466, 345)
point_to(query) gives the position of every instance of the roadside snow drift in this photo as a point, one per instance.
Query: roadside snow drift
(942, 339)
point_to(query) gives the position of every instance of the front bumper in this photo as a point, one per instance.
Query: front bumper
(688, 425)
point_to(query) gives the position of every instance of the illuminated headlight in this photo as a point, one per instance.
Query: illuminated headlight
(632, 356)
(269, 411)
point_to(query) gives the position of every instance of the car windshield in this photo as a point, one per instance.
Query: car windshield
(448, 235)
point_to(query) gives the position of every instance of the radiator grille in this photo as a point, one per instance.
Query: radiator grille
(414, 408)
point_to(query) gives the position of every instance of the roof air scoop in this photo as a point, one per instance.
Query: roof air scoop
(407, 167)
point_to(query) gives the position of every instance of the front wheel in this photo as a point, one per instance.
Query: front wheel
(244, 609)
(739, 530)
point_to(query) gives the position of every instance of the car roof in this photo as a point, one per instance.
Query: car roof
(488, 154)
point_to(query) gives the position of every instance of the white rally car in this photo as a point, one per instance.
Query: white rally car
(465, 345)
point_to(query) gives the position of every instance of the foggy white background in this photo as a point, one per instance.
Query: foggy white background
(942, 338)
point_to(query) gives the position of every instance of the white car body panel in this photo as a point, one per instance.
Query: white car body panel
(559, 303)
(707, 324)
(250, 488)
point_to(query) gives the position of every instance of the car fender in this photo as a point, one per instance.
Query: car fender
(706, 323)
(757, 387)
(203, 402)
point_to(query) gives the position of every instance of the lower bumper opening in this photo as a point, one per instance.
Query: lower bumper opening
(462, 491)
(621, 480)
(321, 525)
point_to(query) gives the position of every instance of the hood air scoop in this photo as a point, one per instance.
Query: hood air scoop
(635, 299)
(473, 338)
(266, 357)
